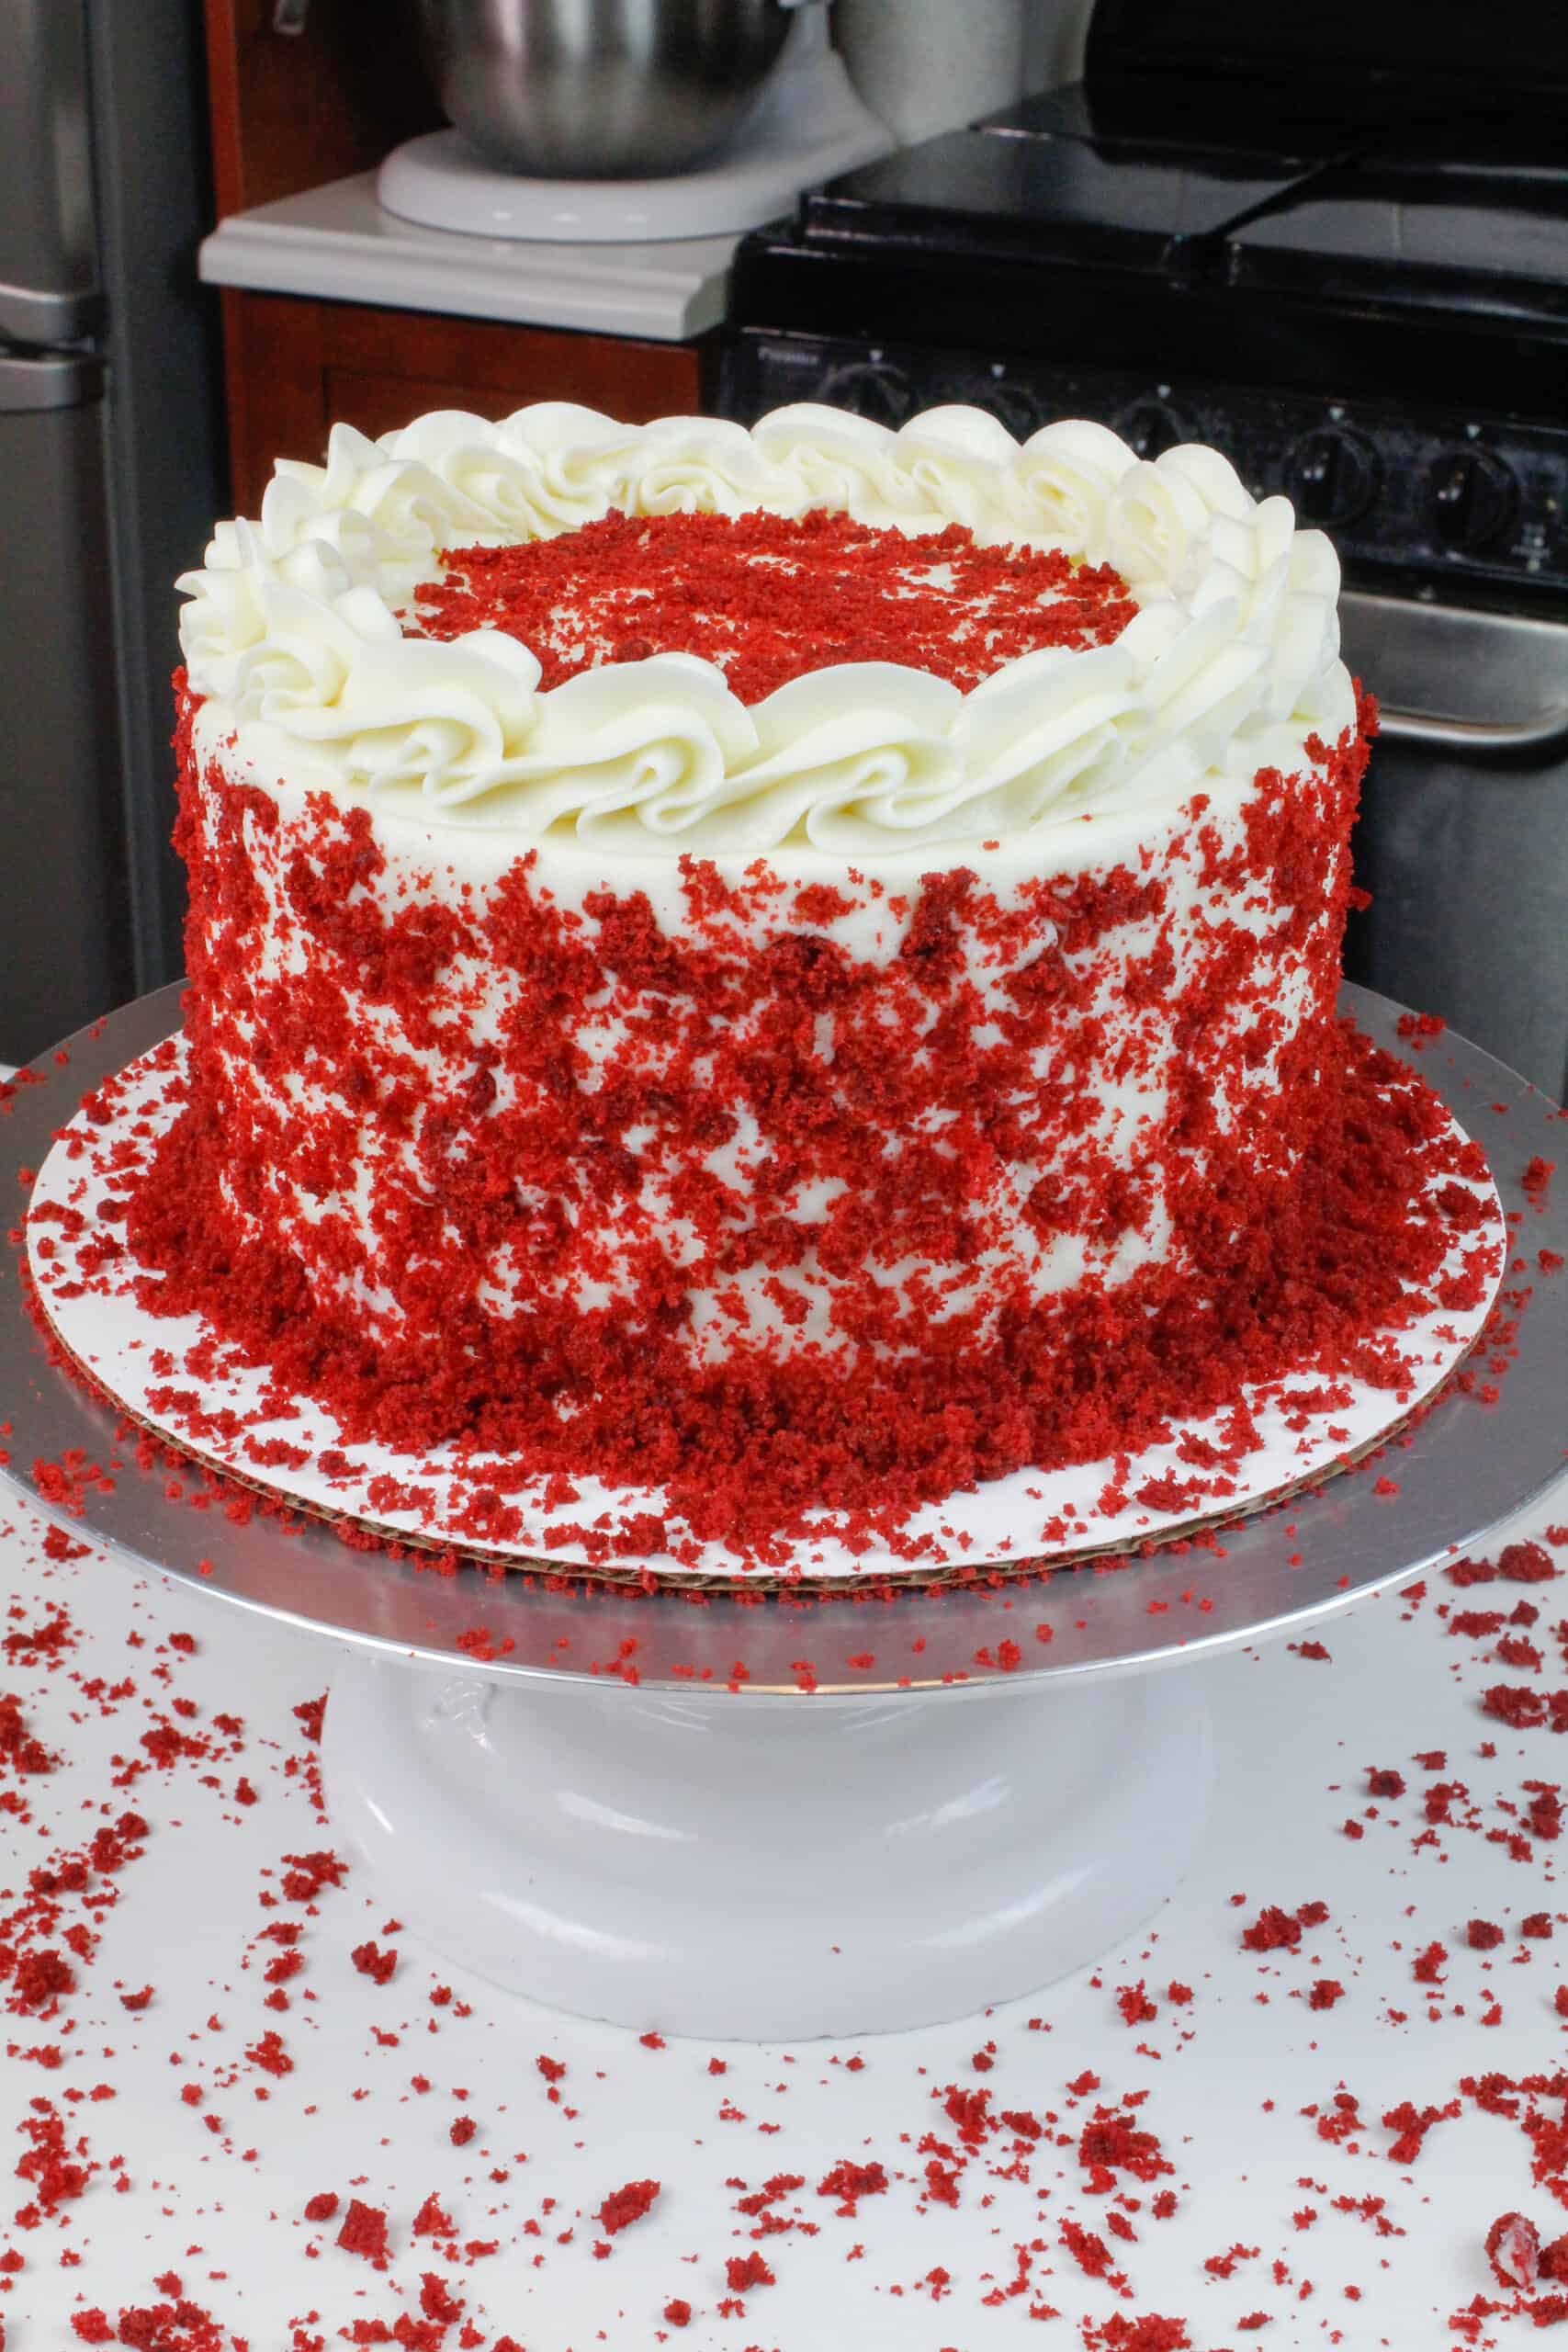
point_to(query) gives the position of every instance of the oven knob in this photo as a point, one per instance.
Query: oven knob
(1008, 403)
(1331, 477)
(867, 388)
(1472, 499)
(1148, 427)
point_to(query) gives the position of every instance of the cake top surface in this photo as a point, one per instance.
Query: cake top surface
(311, 630)
(770, 598)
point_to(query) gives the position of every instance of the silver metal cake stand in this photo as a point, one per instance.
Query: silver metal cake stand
(775, 1815)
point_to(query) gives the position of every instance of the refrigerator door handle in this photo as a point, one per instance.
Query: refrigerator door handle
(68, 381)
(28, 314)
(49, 259)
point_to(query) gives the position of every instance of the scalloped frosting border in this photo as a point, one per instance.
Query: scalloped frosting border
(1230, 664)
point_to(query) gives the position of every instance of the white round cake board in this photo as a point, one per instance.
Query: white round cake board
(1030, 1515)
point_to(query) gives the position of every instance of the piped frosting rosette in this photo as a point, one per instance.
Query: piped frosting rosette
(1232, 656)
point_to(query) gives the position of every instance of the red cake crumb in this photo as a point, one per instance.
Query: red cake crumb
(40, 1977)
(849, 2181)
(1153, 2333)
(433, 2221)
(625, 2206)
(771, 598)
(364, 2231)
(372, 1961)
(1274, 1930)
(1526, 1563)
(1411, 2125)
(1135, 2007)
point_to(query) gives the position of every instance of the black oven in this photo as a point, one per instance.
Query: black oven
(1335, 246)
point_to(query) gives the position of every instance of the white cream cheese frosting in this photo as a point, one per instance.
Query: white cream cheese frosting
(291, 632)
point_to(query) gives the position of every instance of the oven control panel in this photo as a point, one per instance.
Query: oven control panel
(1455, 499)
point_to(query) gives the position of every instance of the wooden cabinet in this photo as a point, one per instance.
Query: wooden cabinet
(293, 112)
(296, 367)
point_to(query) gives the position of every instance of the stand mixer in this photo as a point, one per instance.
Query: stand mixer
(745, 163)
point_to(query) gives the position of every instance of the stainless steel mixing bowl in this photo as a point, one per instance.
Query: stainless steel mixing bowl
(598, 89)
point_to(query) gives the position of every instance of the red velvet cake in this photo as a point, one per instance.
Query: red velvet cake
(793, 968)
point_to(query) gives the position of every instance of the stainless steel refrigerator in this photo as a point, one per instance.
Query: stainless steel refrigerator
(108, 484)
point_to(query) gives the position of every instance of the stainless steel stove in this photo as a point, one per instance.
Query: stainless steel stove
(1336, 246)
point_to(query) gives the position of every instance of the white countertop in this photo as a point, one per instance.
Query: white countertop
(337, 244)
(215, 2139)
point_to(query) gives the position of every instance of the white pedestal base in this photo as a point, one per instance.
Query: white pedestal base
(768, 1869)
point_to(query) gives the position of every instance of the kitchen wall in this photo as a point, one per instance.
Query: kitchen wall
(924, 65)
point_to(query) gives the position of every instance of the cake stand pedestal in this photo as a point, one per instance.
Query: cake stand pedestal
(772, 1868)
(778, 1815)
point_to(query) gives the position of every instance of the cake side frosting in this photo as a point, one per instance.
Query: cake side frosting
(294, 621)
(726, 1108)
